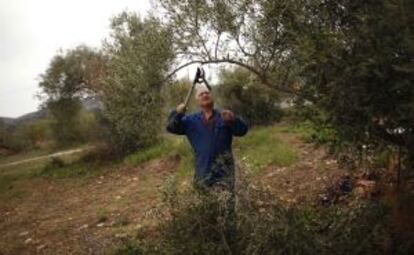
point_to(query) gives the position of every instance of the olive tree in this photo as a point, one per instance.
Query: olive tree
(255, 35)
(351, 59)
(361, 73)
(72, 76)
(242, 92)
(139, 57)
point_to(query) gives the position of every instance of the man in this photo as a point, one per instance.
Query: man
(210, 134)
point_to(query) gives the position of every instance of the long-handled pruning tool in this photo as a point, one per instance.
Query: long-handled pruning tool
(199, 78)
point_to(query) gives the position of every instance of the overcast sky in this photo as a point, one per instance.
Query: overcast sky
(32, 31)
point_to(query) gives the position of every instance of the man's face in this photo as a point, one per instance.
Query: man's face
(204, 99)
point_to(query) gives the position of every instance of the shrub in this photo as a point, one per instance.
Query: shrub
(211, 222)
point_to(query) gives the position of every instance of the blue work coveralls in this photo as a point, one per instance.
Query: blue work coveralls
(211, 141)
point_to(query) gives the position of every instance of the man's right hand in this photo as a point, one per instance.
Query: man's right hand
(180, 108)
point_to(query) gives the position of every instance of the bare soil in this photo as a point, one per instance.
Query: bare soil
(89, 215)
(73, 216)
(305, 180)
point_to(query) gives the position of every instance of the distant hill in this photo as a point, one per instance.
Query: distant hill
(89, 104)
(6, 120)
(40, 114)
(32, 116)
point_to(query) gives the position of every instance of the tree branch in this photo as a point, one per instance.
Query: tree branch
(197, 32)
(217, 44)
(261, 76)
(237, 39)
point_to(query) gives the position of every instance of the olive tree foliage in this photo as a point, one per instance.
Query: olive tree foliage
(359, 67)
(139, 52)
(70, 77)
(255, 35)
(176, 93)
(352, 59)
(242, 92)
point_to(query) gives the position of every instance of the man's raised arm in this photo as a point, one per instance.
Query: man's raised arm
(237, 124)
(239, 127)
(175, 123)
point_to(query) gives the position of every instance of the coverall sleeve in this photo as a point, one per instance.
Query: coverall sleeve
(176, 123)
(239, 127)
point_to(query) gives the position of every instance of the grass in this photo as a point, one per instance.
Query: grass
(63, 166)
(186, 167)
(78, 165)
(75, 169)
(161, 149)
(171, 145)
(90, 163)
(24, 155)
(11, 174)
(262, 147)
(36, 153)
(303, 129)
(6, 185)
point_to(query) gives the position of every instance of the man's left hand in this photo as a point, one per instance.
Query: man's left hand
(227, 116)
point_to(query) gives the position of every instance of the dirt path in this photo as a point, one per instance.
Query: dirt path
(60, 153)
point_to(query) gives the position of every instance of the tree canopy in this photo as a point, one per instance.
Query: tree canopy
(71, 76)
(140, 55)
(351, 60)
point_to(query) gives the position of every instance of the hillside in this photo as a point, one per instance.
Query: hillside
(89, 104)
(91, 211)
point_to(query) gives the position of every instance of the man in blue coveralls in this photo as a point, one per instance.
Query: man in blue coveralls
(210, 133)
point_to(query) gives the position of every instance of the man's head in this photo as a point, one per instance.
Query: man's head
(204, 98)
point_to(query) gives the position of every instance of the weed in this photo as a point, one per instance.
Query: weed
(121, 221)
(101, 216)
(169, 145)
(262, 147)
(129, 248)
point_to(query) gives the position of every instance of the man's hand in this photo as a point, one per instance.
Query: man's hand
(180, 108)
(227, 116)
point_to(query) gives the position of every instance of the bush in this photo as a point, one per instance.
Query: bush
(211, 222)
(26, 135)
(320, 129)
(67, 123)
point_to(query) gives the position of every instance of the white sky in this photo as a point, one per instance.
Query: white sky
(32, 31)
